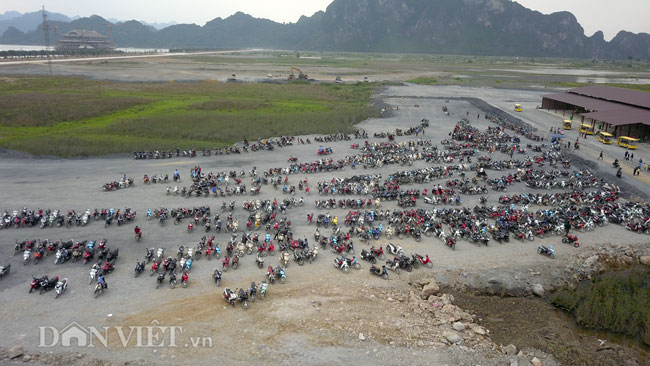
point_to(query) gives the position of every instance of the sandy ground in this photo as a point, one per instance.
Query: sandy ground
(313, 319)
(505, 74)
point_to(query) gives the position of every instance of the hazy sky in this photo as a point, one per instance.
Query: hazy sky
(606, 15)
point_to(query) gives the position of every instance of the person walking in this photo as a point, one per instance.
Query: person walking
(632, 156)
(627, 155)
(600, 157)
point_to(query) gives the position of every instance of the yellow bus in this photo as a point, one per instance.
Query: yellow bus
(519, 108)
(628, 142)
(585, 128)
(566, 124)
(605, 138)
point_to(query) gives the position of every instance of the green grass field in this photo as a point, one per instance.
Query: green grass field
(67, 116)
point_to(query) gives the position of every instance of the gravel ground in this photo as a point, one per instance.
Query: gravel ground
(277, 330)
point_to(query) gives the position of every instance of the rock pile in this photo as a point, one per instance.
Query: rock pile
(453, 325)
(614, 256)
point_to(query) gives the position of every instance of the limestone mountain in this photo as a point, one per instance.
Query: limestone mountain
(469, 27)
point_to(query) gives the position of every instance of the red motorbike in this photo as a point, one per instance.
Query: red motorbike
(225, 264)
(51, 248)
(450, 242)
(154, 268)
(570, 239)
(88, 255)
(168, 262)
(295, 245)
(261, 250)
(636, 227)
(426, 261)
(36, 283)
(108, 267)
(38, 254)
(379, 253)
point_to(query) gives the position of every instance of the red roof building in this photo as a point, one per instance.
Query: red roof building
(621, 112)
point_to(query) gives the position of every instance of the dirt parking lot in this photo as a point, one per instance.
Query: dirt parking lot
(315, 318)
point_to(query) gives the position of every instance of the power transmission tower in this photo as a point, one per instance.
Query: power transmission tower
(46, 31)
(110, 28)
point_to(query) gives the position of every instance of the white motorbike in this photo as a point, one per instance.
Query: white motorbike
(60, 287)
(93, 273)
(394, 250)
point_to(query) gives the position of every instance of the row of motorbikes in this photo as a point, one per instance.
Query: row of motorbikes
(245, 296)
(121, 184)
(44, 284)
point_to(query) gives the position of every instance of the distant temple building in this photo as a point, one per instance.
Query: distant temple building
(83, 40)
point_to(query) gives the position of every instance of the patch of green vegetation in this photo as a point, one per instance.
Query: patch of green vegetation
(230, 105)
(423, 80)
(617, 302)
(76, 117)
(46, 109)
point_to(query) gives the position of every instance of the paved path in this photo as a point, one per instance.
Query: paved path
(103, 58)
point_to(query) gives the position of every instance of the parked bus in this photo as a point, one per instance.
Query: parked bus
(585, 128)
(628, 142)
(605, 138)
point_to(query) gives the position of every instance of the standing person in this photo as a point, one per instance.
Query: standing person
(567, 227)
(600, 157)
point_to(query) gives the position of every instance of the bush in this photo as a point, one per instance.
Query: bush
(617, 301)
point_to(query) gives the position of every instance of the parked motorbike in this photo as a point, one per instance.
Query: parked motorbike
(549, 252)
(570, 239)
(383, 273)
(60, 287)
